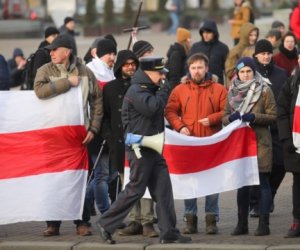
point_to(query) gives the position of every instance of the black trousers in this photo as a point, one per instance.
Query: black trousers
(149, 171)
(296, 195)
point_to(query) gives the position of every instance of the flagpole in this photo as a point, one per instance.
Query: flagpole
(135, 22)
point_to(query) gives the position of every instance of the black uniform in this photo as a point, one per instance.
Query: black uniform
(142, 113)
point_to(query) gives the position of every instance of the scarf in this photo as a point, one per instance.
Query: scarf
(290, 54)
(243, 95)
(264, 69)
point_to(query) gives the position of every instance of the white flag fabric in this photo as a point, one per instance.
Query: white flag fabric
(43, 162)
(296, 124)
(201, 166)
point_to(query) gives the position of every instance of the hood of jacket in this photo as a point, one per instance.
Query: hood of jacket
(210, 25)
(244, 34)
(122, 57)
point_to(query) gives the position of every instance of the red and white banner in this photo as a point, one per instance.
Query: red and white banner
(42, 160)
(296, 124)
(207, 165)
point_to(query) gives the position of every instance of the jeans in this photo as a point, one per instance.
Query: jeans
(98, 188)
(175, 22)
(211, 205)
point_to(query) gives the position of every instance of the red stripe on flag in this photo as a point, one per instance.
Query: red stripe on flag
(191, 159)
(296, 125)
(42, 151)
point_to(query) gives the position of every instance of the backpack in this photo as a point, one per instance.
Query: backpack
(28, 74)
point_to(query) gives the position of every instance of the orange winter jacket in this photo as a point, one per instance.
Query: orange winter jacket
(189, 102)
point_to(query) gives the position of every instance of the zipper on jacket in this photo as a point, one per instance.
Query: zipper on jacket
(186, 103)
(212, 105)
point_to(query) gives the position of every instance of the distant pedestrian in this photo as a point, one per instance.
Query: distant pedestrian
(16, 67)
(177, 55)
(242, 14)
(248, 37)
(287, 57)
(175, 7)
(213, 48)
(68, 28)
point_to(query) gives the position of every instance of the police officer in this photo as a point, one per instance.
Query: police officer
(143, 114)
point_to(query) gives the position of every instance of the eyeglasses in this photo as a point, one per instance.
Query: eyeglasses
(127, 64)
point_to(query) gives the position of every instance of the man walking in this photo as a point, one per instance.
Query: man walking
(142, 113)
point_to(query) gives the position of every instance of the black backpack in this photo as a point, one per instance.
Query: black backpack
(28, 74)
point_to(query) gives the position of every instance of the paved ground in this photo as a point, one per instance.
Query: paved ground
(279, 223)
(29, 235)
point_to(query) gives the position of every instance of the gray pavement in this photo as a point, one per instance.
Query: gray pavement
(25, 236)
(28, 235)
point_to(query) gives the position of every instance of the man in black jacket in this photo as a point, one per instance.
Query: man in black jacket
(215, 50)
(143, 114)
(42, 55)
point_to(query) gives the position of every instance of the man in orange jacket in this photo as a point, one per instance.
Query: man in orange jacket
(195, 108)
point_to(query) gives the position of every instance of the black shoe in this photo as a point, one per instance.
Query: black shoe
(177, 239)
(105, 236)
(294, 231)
(240, 230)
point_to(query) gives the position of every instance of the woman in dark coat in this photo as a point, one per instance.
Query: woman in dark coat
(286, 58)
(177, 55)
(286, 108)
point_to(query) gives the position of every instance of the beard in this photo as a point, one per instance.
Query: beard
(198, 80)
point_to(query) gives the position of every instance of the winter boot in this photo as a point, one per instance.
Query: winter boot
(294, 231)
(263, 226)
(211, 224)
(191, 224)
(133, 228)
(242, 225)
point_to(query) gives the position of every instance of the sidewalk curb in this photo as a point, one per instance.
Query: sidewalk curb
(36, 245)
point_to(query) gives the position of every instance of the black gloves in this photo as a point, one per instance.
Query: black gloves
(234, 116)
(248, 117)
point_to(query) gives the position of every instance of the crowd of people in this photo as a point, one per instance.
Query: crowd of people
(201, 88)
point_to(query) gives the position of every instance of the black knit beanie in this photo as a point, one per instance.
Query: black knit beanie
(51, 31)
(141, 47)
(105, 46)
(263, 45)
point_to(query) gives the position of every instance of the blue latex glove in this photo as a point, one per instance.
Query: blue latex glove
(133, 139)
(234, 116)
(248, 117)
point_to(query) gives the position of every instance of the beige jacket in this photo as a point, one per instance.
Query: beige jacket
(51, 80)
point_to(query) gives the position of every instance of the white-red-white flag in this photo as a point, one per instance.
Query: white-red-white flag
(296, 124)
(43, 164)
(202, 166)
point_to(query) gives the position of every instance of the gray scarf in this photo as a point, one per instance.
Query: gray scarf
(243, 95)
